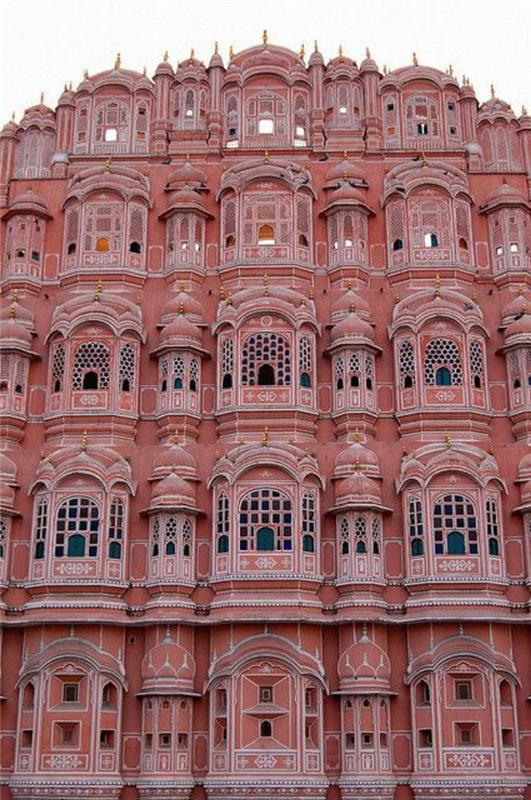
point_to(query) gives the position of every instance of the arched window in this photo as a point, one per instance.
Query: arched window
(227, 363)
(170, 536)
(360, 535)
(431, 240)
(423, 693)
(58, 368)
(41, 526)
(354, 369)
(77, 528)
(108, 696)
(266, 349)
(222, 523)
(308, 523)
(442, 362)
(476, 363)
(455, 526)
(135, 247)
(305, 361)
(265, 728)
(186, 539)
(344, 536)
(493, 528)
(3, 536)
(126, 368)
(266, 518)
(305, 380)
(398, 244)
(92, 359)
(155, 538)
(266, 234)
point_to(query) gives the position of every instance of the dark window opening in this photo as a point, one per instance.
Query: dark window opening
(305, 380)
(193, 385)
(76, 546)
(308, 544)
(354, 381)
(456, 543)
(408, 382)
(494, 548)
(339, 384)
(266, 375)
(135, 247)
(115, 550)
(126, 386)
(477, 382)
(227, 381)
(417, 547)
(57, 385)
(265, 728)
(223, 544)
(398, 244)
(164, 385)
(443, 377)
(18, 389)
(90, 380)
(265, 539)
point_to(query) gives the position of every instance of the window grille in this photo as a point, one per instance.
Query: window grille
(71, 230)
(3, 536)
(91, 356)
(303, 218)
(305, 354)
(308, 522)
(416, 527)
(58, 367)
(476, 363)
(339, 370)
(455, 526)
(396, 226)
(227, 359)
(344, 535)
(406, 358)
(103, 229)
(442, 353)
(186, 538)
(116, 528)
(376, 536)
(137, 216)
(163, 373)
(114, 116)
(493, 529)
(194, 375)
(170, 536)
(178, 372)
(266, 510)
(77, 528)
(223, 523)
(266, 348)
(126, 367)
(430, 217)
(421, 117)
(354, 369)
(155, 538)
(41, 526)
(360, 535)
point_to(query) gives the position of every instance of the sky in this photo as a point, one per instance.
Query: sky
(45, 43)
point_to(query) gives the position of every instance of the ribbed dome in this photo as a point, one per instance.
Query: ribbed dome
(520, 327)
(346, 170)
(13, 332)
(505, 193)
(188, 174)
(344, 304)
(364, 667)
(180, 331)
(182, 303)
(355, 457)
(358, 489)
(352, 327)
(29, 201)
(172, 491)
(516, 307)
(7, 496)
(174, 459)
(8, 470)
(168, 668)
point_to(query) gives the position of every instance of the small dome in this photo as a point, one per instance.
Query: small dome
(364, 668)
(22, 314)
(180, 331)
(350, 299)
(369, 64)
(9, 129)
(515, 308)
(524, 468)
(29, 201)
(495, 105)
(174, 459)
(8, 471)
(358, 490)
(187, 174)
(505, 194)
(352, 327)
(355, 457)
(520, 327)
(182, 303)
(346, 196)
(168, 669)
(164, 68)
(173, 491)
(13, 332)
(346, 170)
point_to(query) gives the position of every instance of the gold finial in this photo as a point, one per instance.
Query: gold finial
(66, 87)
(229, 299)
(340, 52)
(265, 435)
(310, 293)
(84, 442)
(448, 440)
(107, 167)
(266, 286)
(118, 62)
(12, 116)
(43, 455)
(492, 90)
(315, 46)
(182, 287)
(385, 69)
(352, 308)
(524, 111)
(166, 56)
(222, 292)
(357, 465)
(85, 73)
(15, 295)
(463, 80)
(264, 37)
(357, 436)
(450, 71)
(98, 292)
(216, 48)
(423, 159)
(415, 60)
(266, 156)
(144, 71)
(349, 284)
(42, 97)
(181, 308)
(367, 53)
(13, 310)
(192, 54)
(302, 51)
(231, 53)
(437, 292)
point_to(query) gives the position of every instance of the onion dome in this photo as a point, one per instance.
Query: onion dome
(29, 202)
(494, 105)
(9, 130)
(364, 668)
(358, 491)
(186, 174)
(67, 96)
(168, 669)
(182, 303)
(216, 60)
(22, 314)
(350, 299)
(164, 68)
(520, 329)
(8, 471)
(346, 197)
(174, 459)
(352, 329)
(524, 469)
(316, 59)
(368, 64)
(7, 498)
(180, 332)
(515, 308)
(15, 334)
(505, 195)
(171, 492)
(354, 458)
(185, 199)
(346, 170)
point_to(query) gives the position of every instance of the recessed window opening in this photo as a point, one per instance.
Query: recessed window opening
(265, 728)
(266, 375)
(422, 128)
(111, 135)
(398, 244)
(342, 109)
(90, 380)
(431, 240)
(266, 126)
(70, 692)
(266, 235)
(135, 247)
(102, 245)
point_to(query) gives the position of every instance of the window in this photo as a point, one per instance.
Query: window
(493, 530)
(416, 527)
(106, 739)
(111, 135)
(423, 694)
(135, 247)
(442, 362)
(507, 737)
(455, 526)
(41, 524)
(463, 691)
(398, 244)
(164, 740)
(27, 739)
(266, 694)
(265, 728)
(425, 737)
(367, 740)
(422, 128)
(266, 349)
(70, 692)
(91, 366)
(66, 734)
(222, 523)
(266, 126)
(431, 240)
(266, 521)
(58, 368)
(108, 696)
(308, 523)
(116, 528)
(406, 360)
(266, 234)
(466, 733)
(77, 528)
(350, 741)
(476, 363)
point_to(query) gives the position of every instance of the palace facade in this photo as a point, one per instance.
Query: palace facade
(265, 384)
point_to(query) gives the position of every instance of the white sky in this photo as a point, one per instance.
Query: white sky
(44, 43)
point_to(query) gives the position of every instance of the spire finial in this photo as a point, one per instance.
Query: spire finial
(415, 59)
(97, 292)
(385, 69)
(84, 442)
(357, 436)
(264, 36)
(12, 116)
(367, 53)
(524, 111)
(266, 156)
(85, 74)
(144, 71)
(450, 71)
(13, 310)
(222, 292)
(108, 163)
(118, 62)
(492, 90)
(265, 436)
(437, 292)
(216, 48)
(166, 56)
(181, 308)
(448, 440)
(352, 308)
(231, 53)
(340, 52)
(266, 286)
(302, 51)
(42, 97)
(423, 159)
(229, 299)
(357, 465)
